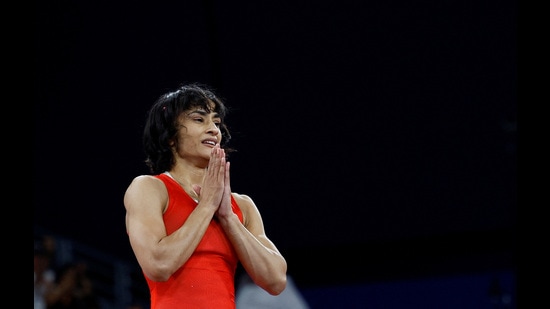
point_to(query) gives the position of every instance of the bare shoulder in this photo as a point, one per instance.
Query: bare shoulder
(142, 181)
(144, 191)
(250, 211)
(145, 184)
(243, 200)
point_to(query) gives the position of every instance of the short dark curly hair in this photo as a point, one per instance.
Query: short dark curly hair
(162, 122)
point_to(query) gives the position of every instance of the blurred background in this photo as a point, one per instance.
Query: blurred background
(378, 138)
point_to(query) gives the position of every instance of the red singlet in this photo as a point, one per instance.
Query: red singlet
(206, 280)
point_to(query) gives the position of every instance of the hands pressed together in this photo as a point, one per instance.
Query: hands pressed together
(216, 187)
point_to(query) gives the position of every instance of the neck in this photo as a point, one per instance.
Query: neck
(187, 182)
(186, 177)
(188, 173)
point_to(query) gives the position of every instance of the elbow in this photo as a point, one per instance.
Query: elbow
(278, 281)
(157, 267)
(158, 277)
(158, 273)
(277, 286)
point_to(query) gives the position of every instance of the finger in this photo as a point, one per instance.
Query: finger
(222, 169)
(227, 181)
(214, 163)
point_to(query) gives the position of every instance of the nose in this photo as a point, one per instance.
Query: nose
(213, 128)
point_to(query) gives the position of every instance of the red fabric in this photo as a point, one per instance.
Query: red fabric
(207, 278)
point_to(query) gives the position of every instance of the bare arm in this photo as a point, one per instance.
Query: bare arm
(259, 256)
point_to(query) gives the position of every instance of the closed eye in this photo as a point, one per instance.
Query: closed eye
(200, 116)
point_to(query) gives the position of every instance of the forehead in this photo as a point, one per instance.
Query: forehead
(203, 105)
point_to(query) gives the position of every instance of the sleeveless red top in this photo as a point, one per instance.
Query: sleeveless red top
(206, 280)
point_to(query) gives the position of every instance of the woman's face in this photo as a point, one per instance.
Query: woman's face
(199, 131)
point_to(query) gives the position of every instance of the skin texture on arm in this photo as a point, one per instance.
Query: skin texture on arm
(259, 256)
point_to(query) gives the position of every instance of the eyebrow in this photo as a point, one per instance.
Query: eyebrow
(202, 112)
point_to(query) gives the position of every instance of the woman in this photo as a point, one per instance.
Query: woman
(186, 228)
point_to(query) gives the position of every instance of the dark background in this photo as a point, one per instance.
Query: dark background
(378, 139)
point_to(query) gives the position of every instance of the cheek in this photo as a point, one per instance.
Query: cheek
(188, 144)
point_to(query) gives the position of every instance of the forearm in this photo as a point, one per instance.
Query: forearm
(258, 256)
(161, 257)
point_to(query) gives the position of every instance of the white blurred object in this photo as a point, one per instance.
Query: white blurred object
(251, 296)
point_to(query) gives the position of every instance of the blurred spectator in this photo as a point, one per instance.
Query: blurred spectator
(73, 289)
